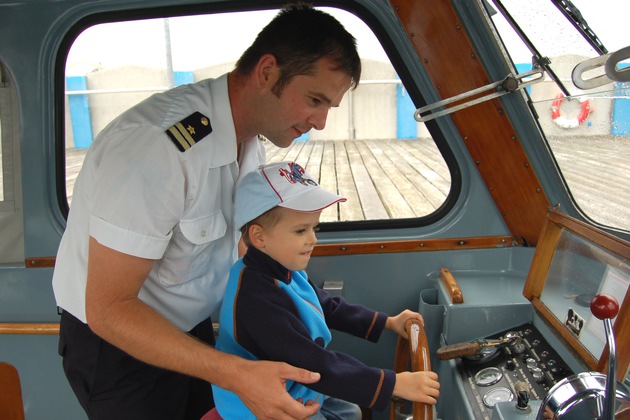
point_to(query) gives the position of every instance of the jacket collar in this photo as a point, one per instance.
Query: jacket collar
(257, 260)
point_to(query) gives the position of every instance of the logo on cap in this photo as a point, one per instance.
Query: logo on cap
(295, 175)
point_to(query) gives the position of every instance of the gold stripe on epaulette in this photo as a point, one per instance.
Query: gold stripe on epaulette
(178, 137)
(186, 134)
(182, 136)
(189, 131)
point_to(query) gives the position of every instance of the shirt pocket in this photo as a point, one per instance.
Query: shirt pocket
(205, 229)
(191, 249)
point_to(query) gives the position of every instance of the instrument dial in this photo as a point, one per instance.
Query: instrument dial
(497, 395)
(488, 376)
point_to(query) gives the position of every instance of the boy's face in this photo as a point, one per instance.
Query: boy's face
(292, 239)
(303, 104)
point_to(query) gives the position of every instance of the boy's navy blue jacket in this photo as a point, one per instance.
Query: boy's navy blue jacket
(271, 313)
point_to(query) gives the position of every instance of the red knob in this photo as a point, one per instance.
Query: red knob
(604, 307)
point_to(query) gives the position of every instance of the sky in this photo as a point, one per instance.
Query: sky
(196, 41)
(201, 41)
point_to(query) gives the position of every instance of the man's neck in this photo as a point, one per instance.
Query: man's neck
(239, 106)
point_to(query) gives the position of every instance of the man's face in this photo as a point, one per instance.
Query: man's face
(303, 104)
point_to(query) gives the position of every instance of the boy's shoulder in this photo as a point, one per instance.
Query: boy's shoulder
(255, 281)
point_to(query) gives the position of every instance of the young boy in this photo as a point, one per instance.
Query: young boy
(272, 311)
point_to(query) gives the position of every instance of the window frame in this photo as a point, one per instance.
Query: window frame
(401, 65)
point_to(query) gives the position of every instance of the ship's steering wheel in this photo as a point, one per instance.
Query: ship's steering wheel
(417, 349)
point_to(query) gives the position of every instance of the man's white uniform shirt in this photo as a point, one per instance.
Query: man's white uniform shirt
(138, 194)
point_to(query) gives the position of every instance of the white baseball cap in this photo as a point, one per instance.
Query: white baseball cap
(283, 184)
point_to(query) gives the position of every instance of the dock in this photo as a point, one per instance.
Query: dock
(394, 179)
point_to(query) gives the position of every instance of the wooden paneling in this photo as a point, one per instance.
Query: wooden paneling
(29, 328)
(39, 262)
(384, 247)
(453, 65)
(11, 405)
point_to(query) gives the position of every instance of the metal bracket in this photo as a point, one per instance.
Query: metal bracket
(610, 62)
(508, 85)
(613, 69)
(334, 288)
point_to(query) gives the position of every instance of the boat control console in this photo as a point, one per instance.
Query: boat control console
(527, 367)
(544, 353)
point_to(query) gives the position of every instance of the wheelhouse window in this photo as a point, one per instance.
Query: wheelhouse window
(587, 124)
(11, 219)
(1, 163)
(6, 155)
(372, 150)
(3, 120)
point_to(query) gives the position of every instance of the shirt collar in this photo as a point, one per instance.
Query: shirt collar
(223, 136)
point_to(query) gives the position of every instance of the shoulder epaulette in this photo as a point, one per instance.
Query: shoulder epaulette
(189, 131)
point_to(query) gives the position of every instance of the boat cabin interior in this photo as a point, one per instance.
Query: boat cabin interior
(483, 155)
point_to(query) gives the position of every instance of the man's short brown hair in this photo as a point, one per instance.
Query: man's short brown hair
(298, 37)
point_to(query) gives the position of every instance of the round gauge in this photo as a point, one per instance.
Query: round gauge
(488, 376)
(497, 395)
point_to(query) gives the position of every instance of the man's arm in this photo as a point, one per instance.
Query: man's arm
(116, 314)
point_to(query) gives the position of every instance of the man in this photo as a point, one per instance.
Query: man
(150, 236)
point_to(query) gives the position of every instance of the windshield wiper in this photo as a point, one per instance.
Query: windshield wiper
(537, 59)
(573, 14)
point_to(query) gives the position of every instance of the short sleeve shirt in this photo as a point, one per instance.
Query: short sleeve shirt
(137, 193)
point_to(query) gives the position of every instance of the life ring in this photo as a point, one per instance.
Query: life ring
(585, 110)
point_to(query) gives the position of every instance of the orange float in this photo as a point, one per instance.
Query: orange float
(556, 116)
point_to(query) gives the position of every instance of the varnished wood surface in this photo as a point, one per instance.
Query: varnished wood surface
(29, 328)
(486, 130)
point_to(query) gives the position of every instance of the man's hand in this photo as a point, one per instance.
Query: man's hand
(261, 386)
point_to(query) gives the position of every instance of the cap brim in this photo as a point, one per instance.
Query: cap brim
(312, 200)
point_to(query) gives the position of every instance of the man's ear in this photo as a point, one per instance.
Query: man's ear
(267, 71)
(256, 235)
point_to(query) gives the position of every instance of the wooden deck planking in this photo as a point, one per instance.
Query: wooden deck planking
(328, 181)
(431, 164)
(420, 174)
(372, 203)
(74, 162)
(408, 178)
(389, 192)
(404, 176)
(314, 164)
(403, 198)
(379, 180)
(604, 183)
(346, 185)
(427, 150)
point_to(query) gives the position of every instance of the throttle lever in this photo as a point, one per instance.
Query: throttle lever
(605, 308)
(471, 348)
